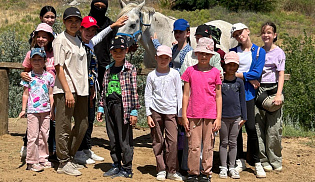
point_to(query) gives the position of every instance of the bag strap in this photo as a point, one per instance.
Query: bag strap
(257, 53)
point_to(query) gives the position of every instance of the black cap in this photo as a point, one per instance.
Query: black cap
(118, 42)
(72, 11)
(203, 30)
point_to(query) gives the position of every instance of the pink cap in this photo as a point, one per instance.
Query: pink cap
(231, 57)
(164, 50)
(88, 22)
(44, 27)
(206, 45)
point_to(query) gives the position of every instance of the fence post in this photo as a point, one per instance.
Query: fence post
(4, 93)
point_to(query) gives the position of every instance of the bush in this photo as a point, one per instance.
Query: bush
(12, 49)
(300, 89)
(306, 7)
(191, 5)
(249, 5)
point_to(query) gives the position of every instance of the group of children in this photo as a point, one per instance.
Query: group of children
(185, 106)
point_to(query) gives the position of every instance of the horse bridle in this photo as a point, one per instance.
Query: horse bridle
(134, 35)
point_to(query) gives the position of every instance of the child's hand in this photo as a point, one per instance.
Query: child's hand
(255, 83)
(25, 76)
(150, 122)
(69, 99)
(133, 120)
(52, 115)
(216, 125)
(99, 117)
(278, 100)
(154, 36)
(242, 123)
(22, 114)
(185, 122)
(180, 120)
(174, 43)
(120, 22)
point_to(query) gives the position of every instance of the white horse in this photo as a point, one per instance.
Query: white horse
(143, 22)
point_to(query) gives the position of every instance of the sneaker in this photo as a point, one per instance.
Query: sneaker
(77, 165)
(240, 165)
(123, 173)
(81, 158)
(23, 153)
(161, 176)
(267, 168)
(113, 171)
(175, 176)
(259, 170)
(35, 167)
(278, 169)
(223, 172)
(234, 174)
(92, 155)
(204, 178)
(192, 178)
(68, 168)
(46, 164)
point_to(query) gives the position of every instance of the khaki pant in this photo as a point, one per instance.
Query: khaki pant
(69, 140)
(200, 131)
(165, 149)
(269, 131)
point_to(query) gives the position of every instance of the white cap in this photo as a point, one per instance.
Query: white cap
(236, 27)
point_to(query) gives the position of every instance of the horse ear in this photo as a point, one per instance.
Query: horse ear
(122, 4)
(140, 6)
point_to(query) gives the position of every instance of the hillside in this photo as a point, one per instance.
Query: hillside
(22, 16)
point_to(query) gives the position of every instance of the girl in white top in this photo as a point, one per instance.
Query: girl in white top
(163, 102)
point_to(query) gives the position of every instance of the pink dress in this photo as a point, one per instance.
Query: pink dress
(202, 103)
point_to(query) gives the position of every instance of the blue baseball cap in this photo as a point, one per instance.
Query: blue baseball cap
(181, 24)
(38, 51)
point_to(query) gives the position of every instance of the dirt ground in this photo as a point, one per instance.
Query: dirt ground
(298, 160)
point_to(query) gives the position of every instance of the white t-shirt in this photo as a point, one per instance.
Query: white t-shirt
(71, 55)
(163, 93)
(245, 60)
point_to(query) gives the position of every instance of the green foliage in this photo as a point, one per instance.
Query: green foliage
(306, 7)
(249, 5)
(12, 49)
(300, 89)
(191, 5)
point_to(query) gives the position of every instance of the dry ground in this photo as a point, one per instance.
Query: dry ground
(298, 162)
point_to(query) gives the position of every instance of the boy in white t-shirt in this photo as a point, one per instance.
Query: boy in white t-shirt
(163, 102)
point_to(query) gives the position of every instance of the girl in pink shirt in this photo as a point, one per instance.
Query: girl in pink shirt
(202, 109)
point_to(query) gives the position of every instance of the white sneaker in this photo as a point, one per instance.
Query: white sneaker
(92, 155)
(81, 158)
(161, 176)
(234, 174)
(223, 172)
(175, 176)
(267, 168)
(240, 165)
(259, 170)
(68, 168)
(278, 169)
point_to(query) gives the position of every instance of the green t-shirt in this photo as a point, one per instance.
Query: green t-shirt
(114, 83)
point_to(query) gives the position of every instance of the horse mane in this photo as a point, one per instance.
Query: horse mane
(130, 6)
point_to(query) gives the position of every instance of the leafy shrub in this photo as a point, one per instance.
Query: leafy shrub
(12, 49)
(306, 7)
(300, 89)
(191, 4)
(249, 5)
